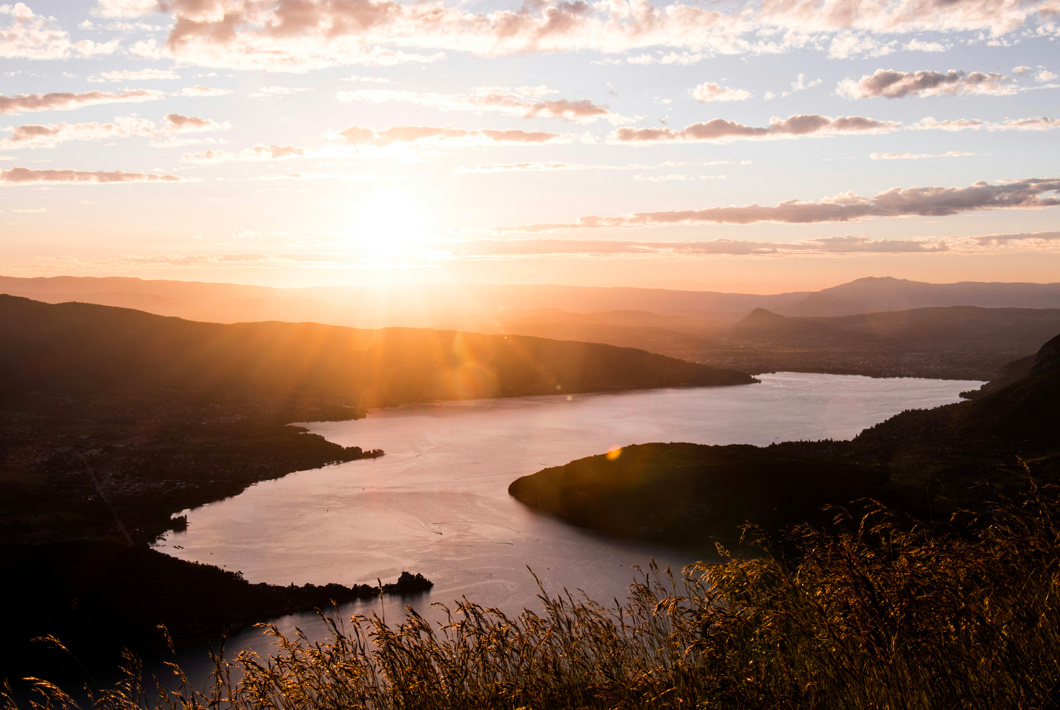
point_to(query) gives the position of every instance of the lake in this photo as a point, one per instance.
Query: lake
(437, 502)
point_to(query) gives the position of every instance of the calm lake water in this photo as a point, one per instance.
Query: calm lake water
(437, 502)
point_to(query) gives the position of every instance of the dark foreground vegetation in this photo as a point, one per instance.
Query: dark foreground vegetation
(102, 597)
(869, 613)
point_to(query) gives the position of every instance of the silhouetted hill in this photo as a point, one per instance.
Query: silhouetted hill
(476, 307)
(87, 350)
(618, 319)
(925, 462)
(871, 295)
(965, 326)
(761, 327)
(957, 342)
(488, 308)
(1027, 410)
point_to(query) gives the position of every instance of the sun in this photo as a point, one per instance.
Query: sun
(387, 224)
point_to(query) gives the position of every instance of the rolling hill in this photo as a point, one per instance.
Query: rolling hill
(96, 351)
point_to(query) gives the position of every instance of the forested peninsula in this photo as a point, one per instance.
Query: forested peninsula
(925, 463)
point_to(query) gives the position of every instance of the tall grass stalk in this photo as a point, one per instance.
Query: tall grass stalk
(871, 614)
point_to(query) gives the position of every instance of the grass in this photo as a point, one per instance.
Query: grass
(871, 613)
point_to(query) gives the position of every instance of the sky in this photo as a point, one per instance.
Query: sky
(755, 147)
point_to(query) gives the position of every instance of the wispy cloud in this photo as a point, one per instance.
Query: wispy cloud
(290, 36)
(895, 84)
(199, 90)
(32, 36)
(496, 248)
(677, 177)
(254, 153)
(722, 131)
(26, 103)
(356, 135)
(1042, 123)
(1021, 237)
(134, 75)
(27, 176)
(50, 135)
(525, 101)
(920, 156)
(267, 92)
(710, 92)
(897, 202)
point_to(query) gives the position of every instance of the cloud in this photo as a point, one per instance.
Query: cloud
(300, 35)
(709, 92)
(893, 16)
(524, 101)
(50, 135)
(487, 248)
(918, 45)
(127, 8)
(677, 177)
(684, 58)
(185, 142)
(270, 91)
(257, 152)
(851, 44)
(358, 136)
(139, 75)
(951, 125)
(919, 156)
(27, 176)
(31, 36)
(722, 131)
(1042, 123)
(319, 176)
(1026, 124)
(526, 167)
(26, 103)
(199, 90)
(1022, 237)
(895, 84)
(551, 166)
(366, 79)
(800, 84)
(1029, 193)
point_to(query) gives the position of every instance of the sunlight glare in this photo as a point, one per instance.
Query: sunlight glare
(387, 224)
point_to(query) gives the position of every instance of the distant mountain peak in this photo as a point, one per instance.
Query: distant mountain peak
(759, 316)
(879, 279)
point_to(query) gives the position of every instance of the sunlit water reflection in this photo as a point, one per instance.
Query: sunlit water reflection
(437, 502)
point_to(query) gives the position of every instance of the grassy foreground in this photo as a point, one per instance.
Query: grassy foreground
(870, 614)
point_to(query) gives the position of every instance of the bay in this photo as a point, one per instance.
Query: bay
(437, 502)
